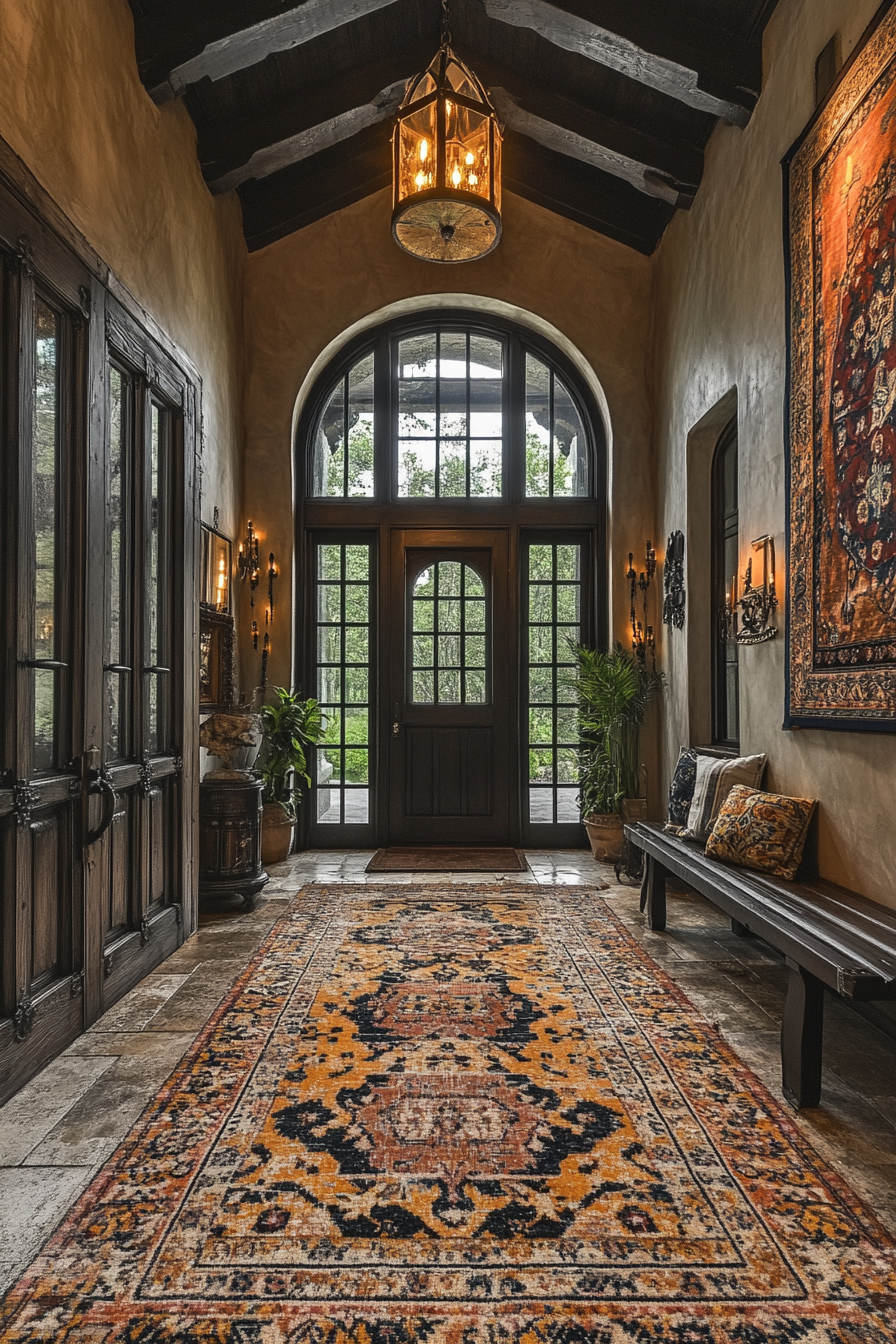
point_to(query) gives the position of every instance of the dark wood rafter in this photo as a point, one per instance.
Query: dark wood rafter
(607, 106)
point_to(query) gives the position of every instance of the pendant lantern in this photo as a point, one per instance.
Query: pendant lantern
(446, 152)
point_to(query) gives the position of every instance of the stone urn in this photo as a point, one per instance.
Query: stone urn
(605, 835)
(234, 736)
(276, 832)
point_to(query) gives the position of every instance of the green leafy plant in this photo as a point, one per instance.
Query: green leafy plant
(614, 691)
(290, 726)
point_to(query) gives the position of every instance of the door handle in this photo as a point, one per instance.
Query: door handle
(43, 664)
(396, 728)
(95, 780)
(103, 784)
(115, 667)
(157, 669)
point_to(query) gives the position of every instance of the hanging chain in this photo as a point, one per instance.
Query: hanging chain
(446, 31)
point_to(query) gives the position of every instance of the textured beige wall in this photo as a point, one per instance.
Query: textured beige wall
(126, 174)
(304, 291)
(720, 324)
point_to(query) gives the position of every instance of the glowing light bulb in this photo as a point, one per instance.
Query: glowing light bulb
(455, 176)
(424, 150)
(470, 158)
(420, 180)
(473, 179)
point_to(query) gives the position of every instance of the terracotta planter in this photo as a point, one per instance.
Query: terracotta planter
(605, 835)
(276, 833)
(633, 809)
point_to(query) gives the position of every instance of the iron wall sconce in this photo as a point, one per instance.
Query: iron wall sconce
(642, 633)
(745, 619)
(249, 568)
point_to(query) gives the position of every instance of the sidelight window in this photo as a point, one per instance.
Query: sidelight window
(45, 487)
(553, 597)
(343, 620)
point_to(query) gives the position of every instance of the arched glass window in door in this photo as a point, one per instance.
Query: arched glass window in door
(449, 636)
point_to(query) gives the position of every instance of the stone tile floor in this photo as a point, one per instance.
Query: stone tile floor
(59, 1130)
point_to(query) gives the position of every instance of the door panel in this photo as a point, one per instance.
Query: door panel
(452, 648)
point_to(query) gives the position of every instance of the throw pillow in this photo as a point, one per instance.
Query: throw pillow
(765, 831)
(681, 790)
(716, 776)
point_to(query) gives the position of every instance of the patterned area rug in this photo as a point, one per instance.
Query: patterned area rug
(460, 1116)
(441, 859)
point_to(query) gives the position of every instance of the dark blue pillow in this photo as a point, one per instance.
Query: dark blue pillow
(681, 790)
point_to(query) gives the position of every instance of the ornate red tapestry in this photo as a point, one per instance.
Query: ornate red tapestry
(460, 1117)
(842, 609)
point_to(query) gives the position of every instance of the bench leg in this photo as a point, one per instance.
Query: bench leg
(656, 894)
(801, 1031)
(644, 878)
(740, 930)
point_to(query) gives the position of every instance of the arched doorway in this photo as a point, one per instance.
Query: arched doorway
(450, 544)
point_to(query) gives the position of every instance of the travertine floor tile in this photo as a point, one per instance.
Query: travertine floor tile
(152, 1044)
(32, 1201)
(138, 1007)
(32, 1113)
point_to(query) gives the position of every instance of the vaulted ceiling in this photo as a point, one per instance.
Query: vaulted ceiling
(607, 105)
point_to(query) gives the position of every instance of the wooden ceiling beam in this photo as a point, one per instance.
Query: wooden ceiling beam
(248, 46)
(228, 144)
(636, 46)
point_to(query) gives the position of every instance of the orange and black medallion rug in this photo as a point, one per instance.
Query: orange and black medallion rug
(460, 1116)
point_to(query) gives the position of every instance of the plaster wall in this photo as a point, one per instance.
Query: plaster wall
(126, 174)
(305, 291)
(720, 329)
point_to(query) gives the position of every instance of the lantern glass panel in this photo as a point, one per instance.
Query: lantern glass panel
(460, 81)
(466, 149)
(417, 152)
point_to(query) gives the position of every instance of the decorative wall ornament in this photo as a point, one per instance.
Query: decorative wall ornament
(841, 180)
(674, 599)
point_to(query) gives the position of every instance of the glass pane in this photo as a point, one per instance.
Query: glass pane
(328, 466)
(486, 357)
(417, 356)
(473, 585)
(360, 428)
(453, 468)
(423, 651)
(416, 408)
(416, 468)
(453, 355)
(45, 485)
(449, 578)
(449, 688)
(538, 426)
(475, 688)
(553, 725)
(475, 651)
(424, 615)
(156, 606)
(344, 761)
(486, 467)
(486, 410)
(475, 615)
(424, 688)
(117, 648)
(569, 445)
(449, 613)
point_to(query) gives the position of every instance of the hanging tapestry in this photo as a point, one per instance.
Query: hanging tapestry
(841, 176)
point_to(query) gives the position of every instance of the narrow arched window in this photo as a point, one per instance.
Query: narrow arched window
(726, 672)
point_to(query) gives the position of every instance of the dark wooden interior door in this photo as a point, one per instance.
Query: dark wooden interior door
(450, 773)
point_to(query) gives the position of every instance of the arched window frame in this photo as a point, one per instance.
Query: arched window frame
(382, 343)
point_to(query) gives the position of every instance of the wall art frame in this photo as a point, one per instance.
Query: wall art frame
(215, 661)
(840, 225)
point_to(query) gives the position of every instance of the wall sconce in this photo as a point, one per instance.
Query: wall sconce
(642, 633)
(247, 563)
(745, 619)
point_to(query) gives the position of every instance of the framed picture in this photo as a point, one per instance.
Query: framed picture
(215, 572)
(215, 661)
(840, 182)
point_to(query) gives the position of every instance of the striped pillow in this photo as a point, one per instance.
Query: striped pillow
(715, 778)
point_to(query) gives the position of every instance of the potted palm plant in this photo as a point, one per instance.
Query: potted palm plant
(290, 725)
(614, 690)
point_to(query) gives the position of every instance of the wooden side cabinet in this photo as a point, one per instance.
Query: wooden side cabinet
(230, 839)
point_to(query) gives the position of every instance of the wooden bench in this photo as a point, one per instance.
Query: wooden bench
(827, 934)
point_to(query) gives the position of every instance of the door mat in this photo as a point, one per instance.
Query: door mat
(447, 859)
(440, 1116)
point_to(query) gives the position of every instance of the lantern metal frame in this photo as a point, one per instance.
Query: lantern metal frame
(444, 189)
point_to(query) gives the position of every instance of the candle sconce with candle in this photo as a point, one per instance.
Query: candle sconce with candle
(642, 633)
(249, 568)
(745, 618)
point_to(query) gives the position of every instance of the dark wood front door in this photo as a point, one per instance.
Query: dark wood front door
(450, 657)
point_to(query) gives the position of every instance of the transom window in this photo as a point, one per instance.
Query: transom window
(450, 413)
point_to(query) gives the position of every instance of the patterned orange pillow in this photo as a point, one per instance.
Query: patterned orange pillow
(765, 831)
